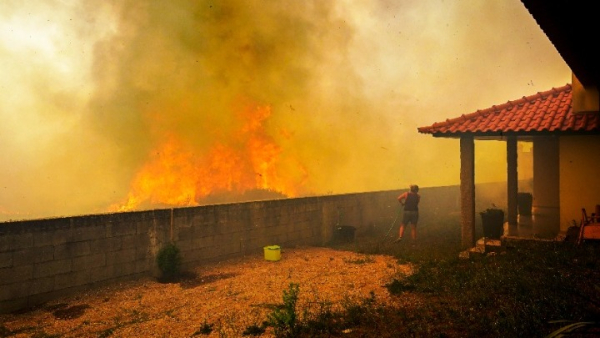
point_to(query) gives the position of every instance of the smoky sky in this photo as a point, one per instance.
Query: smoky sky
(92, 88)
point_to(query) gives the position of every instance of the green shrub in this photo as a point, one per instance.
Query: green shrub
(284, 319)
(169, 261)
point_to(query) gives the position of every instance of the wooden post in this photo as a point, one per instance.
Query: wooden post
(512, 179)
(467, 191)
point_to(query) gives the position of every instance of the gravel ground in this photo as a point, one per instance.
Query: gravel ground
(228, 296)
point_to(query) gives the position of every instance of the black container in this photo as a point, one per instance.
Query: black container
(492, 221)
(344, 234)
(524, 203)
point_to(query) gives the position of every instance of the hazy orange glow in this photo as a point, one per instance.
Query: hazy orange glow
(127, 105)
(177, 176)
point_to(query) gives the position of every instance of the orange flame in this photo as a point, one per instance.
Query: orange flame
(176, 175)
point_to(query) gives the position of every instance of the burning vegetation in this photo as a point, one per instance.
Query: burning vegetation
(249, 165)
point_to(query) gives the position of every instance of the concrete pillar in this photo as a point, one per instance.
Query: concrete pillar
(467, 191)
(512, 179)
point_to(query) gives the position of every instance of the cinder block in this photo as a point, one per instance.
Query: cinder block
(4, 243)
(51, 268)
(212, 253)
(15, 290)
(43, 238)
(75, 249)
(142, 240)
(130, 241)
(490, 245)
(186, 233)
(88, 262)
(185, 245)
(61, 236)
(34, 255)
(105, 245)
(122, 256)
(80, 234)
(16, 274)
(203, 242)
(124, 269)
(42, 285)
(193, 255)
(71, 279)
(121, 229)
(6, 259)
(143, 265)
(21, 240)
(100, 273)
(143, 228)
(142, 252)
(208, 229)
(257, 244)
(228, 248)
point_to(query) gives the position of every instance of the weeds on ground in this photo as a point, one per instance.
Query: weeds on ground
(254, 330)
(283, 319)
(533, 289)
(364, 260)
(205, 329)
(354, 317)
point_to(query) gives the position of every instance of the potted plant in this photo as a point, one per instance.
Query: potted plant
(524, 203)
(492, 220)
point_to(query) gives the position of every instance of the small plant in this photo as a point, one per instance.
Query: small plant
(357, 313)
(283, 319)
(169, 261)
(492, 212)
(254, 330)
(359, 261)
(205, 329)
(107, 333)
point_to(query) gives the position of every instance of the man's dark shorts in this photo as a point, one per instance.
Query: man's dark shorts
(410, 217)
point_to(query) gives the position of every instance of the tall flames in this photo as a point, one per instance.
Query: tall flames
(250, 160)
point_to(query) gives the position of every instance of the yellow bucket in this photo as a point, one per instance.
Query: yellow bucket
(272, 252)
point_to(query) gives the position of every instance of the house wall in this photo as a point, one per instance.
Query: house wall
(579, 177)
(546, 175)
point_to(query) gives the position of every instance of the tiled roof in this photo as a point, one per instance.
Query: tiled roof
(546, 112)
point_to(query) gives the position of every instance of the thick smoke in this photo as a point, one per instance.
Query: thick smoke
(93, 88)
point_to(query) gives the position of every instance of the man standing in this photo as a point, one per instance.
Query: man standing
(410, 201)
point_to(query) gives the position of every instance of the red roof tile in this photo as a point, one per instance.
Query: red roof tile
(544, 112)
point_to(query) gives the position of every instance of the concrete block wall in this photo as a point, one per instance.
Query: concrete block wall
(47, 258)
(43, 259)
